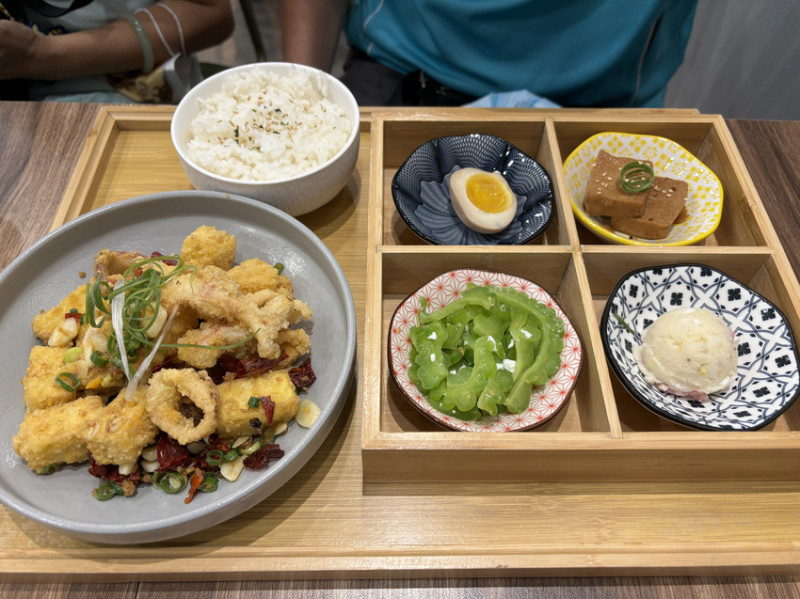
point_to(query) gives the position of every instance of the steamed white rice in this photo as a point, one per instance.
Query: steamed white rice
(264, 126)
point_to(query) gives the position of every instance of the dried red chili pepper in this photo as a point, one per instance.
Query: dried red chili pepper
(111, 472)
(269, 408)
(242, 368)
(171, 454)
(303, 376)
(250, 366)
(165, 364)
(168, 261)
(261, 458)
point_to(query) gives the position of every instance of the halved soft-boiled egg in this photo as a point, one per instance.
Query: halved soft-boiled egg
(482, 200)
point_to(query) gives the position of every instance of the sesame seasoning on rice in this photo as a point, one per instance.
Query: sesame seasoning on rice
(263, 126)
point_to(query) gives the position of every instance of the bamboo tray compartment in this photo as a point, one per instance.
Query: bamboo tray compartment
(602, 433)
(341, 516)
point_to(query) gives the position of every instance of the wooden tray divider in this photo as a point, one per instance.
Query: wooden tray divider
(370, 423)
(575, 297)
(551, 159)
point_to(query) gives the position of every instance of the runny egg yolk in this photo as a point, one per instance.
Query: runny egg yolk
(482, 200)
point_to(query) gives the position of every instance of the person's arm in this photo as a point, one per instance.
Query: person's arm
(310, 30)
(115, 47)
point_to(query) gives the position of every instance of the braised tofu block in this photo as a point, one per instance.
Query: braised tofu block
(207, 246)
(665, 201)
(604, 194)
(235, 416)
(57, 435)
(53, 327)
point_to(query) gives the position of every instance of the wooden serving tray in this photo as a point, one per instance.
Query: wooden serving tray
(603, 434)
(334, 520)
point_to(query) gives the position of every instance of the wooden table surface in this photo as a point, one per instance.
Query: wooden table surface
(39, 147)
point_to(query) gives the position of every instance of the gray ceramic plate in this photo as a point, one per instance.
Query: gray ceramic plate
(48, 270)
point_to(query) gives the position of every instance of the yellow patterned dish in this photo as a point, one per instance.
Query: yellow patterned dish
(703, 202)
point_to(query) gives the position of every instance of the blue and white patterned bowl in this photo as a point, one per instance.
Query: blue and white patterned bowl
(767, 380)
(421, 190)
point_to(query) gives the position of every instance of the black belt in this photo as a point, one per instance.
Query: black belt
(420, 89)
(373, 82)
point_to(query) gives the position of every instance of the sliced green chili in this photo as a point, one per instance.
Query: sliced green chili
(214, 457)
(636, 176)
(230, 456)
(209, 484)
(170, 482)
(108, 490)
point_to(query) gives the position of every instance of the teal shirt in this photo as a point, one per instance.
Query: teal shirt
(574, 52)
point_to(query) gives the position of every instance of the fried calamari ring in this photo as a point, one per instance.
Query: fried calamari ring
(165, 392)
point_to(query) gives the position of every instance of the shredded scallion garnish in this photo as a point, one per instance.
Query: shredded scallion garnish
(98, 359)
(624, 324)
(134, 382)
(133, 304)
(68, 381)
(137, 298)
(117, 308)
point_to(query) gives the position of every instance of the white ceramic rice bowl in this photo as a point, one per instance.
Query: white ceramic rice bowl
(295, 195)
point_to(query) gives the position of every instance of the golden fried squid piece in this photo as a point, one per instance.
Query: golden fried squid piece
(217, 334)
(294, 343)
(169, 395)
(207, 246)
(114, 262)
(121, 431)
(235, 414)
(215, 296)
(57, 435)
(255, 275)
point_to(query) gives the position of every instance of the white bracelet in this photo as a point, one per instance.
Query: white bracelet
(144, 41)
(177, 22)
(158, 30)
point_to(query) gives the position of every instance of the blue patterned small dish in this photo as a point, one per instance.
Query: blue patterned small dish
(421, 190)
(767, 379)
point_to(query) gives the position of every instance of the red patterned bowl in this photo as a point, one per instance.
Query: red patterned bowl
(546, 400)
